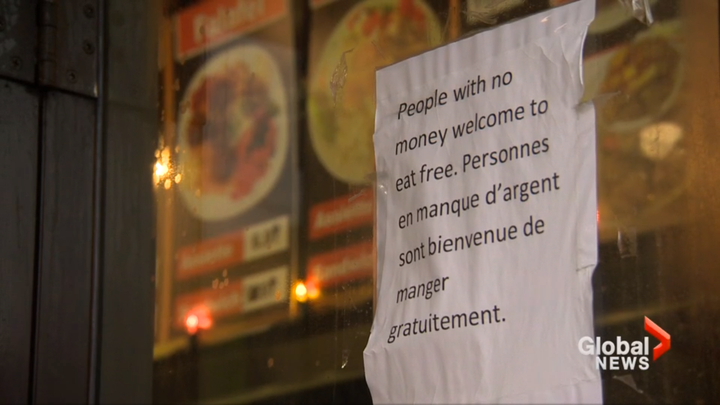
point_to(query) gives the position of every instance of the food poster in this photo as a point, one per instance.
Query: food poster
(227, 198)
(489, 13)
(635, 75)
(349, 40)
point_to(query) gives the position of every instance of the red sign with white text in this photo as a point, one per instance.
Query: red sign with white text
(248, 294)
(216, 302)
(346, 264)
(340, 214)
(211, 23)
(254, 242)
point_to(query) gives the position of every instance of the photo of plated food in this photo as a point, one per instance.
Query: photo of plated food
(232, 133)
(341, 105)
(645, 77)
(641, 154)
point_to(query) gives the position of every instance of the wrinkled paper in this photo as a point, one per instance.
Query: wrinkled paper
(487, 235)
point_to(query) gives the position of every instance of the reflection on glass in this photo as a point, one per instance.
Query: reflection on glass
(265, 198)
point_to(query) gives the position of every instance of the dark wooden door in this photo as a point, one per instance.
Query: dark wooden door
(76, 208)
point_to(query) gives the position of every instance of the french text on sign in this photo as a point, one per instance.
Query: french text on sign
(424, 290)
(513, 153)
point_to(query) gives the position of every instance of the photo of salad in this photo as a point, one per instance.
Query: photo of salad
(341, 104)
(232, 133)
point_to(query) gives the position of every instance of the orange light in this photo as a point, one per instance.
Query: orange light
(161, 169)
(312, 290)
(301, 292)
(598, 216)
(197, 319)
(191, 323)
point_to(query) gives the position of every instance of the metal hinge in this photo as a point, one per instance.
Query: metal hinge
(67, 45)
(18, 39)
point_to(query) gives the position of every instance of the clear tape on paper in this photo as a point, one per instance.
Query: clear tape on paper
(640, 9)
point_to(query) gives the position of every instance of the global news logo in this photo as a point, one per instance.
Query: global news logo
(623, 355)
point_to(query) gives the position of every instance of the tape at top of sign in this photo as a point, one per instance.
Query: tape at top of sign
(486, 224)
(480, 47)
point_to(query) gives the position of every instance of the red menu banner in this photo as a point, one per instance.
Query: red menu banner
(340, 214)
(248, 294)
(211, 23)
(342, 265)
(254, 242)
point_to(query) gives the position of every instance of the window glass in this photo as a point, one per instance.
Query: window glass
(265, 194)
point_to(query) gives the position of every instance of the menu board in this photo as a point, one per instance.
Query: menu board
(349, 40)
(226, 193)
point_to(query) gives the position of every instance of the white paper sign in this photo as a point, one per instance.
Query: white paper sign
(487, 232)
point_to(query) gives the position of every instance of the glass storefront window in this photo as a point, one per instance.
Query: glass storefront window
(265, 188)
